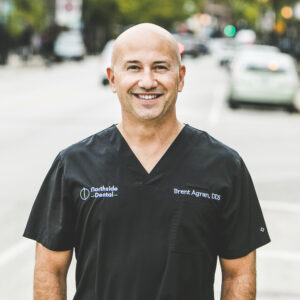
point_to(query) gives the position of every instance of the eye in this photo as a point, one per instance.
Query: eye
(160, 67)
(133, 67)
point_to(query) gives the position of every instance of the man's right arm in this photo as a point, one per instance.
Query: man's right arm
(50, 273)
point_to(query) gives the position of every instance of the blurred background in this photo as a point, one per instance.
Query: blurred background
(242, 86)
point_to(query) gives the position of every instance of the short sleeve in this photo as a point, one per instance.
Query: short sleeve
(51, 221)
(242, 226)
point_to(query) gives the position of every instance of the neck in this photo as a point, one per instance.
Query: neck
(142, 133)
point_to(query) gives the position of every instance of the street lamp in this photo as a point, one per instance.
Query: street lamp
(287, 12)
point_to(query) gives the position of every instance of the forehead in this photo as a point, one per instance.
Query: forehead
(145, 48)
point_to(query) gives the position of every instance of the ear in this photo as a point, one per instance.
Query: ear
(111, 78)
(181, 78)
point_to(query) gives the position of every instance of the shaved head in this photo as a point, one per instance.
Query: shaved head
(145, 33)
(146, 73)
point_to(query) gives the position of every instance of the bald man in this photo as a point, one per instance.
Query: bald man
(148, 204)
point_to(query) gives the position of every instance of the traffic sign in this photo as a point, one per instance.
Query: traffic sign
(68, 13)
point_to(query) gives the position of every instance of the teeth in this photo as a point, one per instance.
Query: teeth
(147, 97)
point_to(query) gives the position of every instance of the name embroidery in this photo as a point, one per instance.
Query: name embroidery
(197, 194)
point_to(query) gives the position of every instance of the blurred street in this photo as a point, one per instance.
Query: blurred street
(43, 110)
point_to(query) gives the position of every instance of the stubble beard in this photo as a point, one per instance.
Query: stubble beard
(154, 114)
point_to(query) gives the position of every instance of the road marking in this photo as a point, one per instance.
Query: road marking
(12, 252)
(280, 206)
(217, 105)
(282, 255)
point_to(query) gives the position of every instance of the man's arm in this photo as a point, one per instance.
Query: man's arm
(50, 272)
(239, 278)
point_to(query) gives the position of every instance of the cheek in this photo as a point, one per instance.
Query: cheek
(169, 80)
(171, 84)
(125, 83)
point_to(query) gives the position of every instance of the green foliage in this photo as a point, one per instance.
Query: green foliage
(249, 11)
(163, 12)
(26, 12)
(278, 4)
(126, 12)
(100, 12)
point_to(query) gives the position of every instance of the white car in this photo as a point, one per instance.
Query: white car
(264, 77)
(229, 55)
(222, 49)
(257, 48)
(70, 45)
(230, 49)
(245, 37)
(105, 59)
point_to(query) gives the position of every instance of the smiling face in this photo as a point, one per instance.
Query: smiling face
(146, 73)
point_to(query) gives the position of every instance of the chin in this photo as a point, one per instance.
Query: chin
(149, 116)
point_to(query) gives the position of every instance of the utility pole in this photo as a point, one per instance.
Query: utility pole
(50, 12)
(276, 8)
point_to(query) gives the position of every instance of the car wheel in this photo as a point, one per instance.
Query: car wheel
(233, 104)
(58, 59)
(105, 81)
(291, 108)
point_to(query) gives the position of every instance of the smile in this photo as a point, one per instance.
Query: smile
(147, 97)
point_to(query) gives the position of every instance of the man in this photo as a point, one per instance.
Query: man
(148, 204)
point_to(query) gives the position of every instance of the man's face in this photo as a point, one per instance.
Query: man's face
(147, 76)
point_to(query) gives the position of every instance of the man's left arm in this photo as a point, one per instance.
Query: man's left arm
(239, 278)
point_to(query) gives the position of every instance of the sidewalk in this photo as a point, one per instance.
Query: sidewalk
(15, 62)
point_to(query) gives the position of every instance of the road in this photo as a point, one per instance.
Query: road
(43, 110)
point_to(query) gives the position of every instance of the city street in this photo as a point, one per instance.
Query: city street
(45, 109)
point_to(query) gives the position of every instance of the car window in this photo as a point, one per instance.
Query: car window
(266, 68)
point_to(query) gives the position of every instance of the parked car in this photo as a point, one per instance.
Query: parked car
(257, 48)
(105, 59)
(192, 46)
(226, 53)
(245, 37)
(69, 45)
(222, 49)
(233, 50)
(263, 77)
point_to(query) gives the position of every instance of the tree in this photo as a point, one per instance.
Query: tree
(126, 12)
(99, 19)
(26, 13)
(109, 17)
(251, 9)
(161, 12)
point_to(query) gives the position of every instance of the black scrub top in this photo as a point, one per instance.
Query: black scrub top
(147, 236)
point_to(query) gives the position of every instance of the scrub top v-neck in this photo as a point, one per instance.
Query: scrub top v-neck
(147, 236)
(165, 163)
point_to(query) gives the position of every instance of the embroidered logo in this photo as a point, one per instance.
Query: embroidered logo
(84, 194)
(98, 192)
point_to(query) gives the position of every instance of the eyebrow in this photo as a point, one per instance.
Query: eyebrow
(137, 61)
(161, 62)
(132, 62)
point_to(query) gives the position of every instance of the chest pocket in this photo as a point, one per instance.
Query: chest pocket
(195, 222)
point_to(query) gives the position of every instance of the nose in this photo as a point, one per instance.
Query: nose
(148, 80)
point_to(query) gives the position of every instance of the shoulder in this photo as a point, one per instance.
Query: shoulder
(210, 147)
(90, 146)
